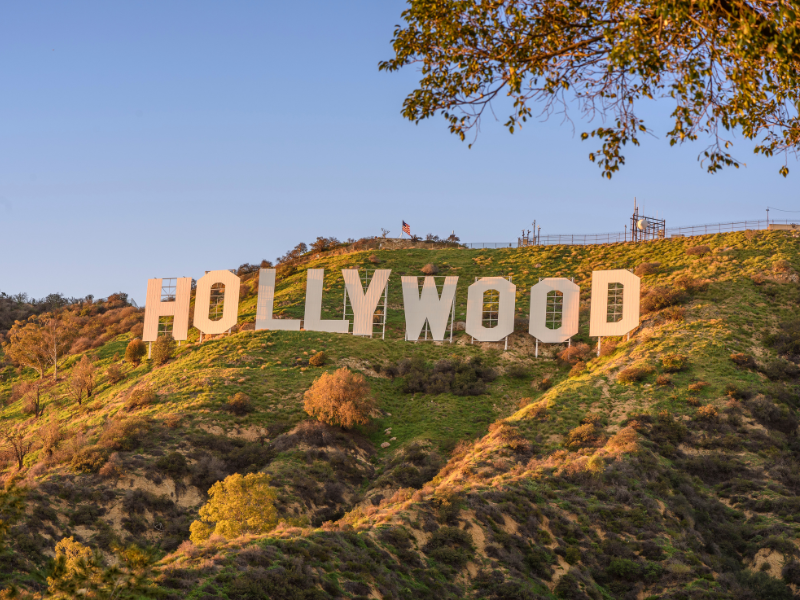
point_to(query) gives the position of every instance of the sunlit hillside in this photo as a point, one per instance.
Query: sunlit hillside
(666, 467)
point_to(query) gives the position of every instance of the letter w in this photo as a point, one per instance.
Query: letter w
(427, 306)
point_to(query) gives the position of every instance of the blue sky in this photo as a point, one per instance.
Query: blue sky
(165, 139)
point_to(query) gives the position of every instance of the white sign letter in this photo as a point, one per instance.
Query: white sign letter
(555, 305)
(313, 321)
(264, 304)
(615, 303)
(230, 306)
(427, 306)
(178, 308)
(364, 305)
(505, 309)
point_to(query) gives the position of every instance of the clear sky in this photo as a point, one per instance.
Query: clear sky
(161, 139)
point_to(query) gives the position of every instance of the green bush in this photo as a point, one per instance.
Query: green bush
(672, 363)
(462, 378)
(518, 371)
(135, 351)
(318, 359)
(163, 348)
(89, 460)
(450, 545)
(239, 404)
(173, 464)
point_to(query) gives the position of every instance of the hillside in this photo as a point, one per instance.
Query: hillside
(668, 467)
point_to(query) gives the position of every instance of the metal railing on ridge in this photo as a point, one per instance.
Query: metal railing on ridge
(581, 239)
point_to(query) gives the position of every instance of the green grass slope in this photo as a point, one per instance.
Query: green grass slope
(661, 469)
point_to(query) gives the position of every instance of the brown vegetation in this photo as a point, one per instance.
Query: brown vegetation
(698, 250)
(647, 269)
(574, 353)
(634, 373)
(341, 398)
(430, 269)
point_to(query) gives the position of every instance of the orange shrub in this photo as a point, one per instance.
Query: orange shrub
(707, 412)
(430, 269)
(341, 398)
(573, 354)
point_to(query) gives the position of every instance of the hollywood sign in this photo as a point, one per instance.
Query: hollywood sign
(614, 305)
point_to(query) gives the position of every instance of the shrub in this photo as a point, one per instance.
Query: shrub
(140, 397)
(574, 353)
(239, 404)
(135, 351)
(114, 374)
(697, 386)
(787, 340)
(698, 250)
(707, 413)
(374, 259)
(743, 360)
(89, 460)
(342, 398)
(430, 269)
(672, 363)
(237, 506)
(690, 285)
(663, 380)
(450, 545)
(582, 435)
(518, 371)
(318, 359)
(608, 347)
(647, 269)
(657, 298)
(791, 572)
(674, 313)
(462, 378)
(782, 266)
(634, 373)
(781, 369)
(772, 416)
(578, 368)
(163, 349)
(123, 434)
(173, 464)
(544, 384)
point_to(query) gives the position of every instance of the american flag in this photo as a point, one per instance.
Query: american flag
(406, 228)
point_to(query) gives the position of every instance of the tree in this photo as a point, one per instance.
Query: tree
(33, 396)
(163, 349)
(135, 351)
(342, 398)
(82, 379)
(80, 572)
(26, 346)
(723, 64)
(17, 443)
(40, 342)
(236, 506)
